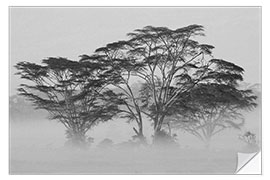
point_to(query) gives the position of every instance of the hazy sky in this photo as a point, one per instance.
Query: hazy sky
(37, 33)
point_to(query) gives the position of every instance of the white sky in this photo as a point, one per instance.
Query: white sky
(37, 33)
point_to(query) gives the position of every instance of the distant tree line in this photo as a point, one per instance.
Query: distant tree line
(182, 86)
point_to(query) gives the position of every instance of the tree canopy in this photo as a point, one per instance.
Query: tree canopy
(182, 83)
(171, 65)
(74, 93)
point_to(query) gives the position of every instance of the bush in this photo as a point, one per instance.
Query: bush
(251, 143)
(163, 138)
(106, 143)
(249, 138)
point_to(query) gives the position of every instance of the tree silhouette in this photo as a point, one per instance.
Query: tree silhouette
(74, 93)
(171, 64)
(158, 56)
(183, 85)
(121, 69)
(210, 109)
(214, 104)
(170, 58)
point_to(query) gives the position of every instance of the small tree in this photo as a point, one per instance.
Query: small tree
(215, 103)
(74, 93)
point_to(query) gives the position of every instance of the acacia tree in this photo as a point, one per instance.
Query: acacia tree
(173, 64)
(74, 93)
(158, 56)
(176, 66)
(213, 108)
(120, 69)
(214, 104)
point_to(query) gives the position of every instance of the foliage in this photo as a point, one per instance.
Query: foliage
(120, 71)
(213, 108)
(172, 65)
(249, 138)
(183, 85)
(170, 58)
(162, 58)
(74, 93)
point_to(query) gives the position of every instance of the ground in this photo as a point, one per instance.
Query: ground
(37, 147)
(124, 161)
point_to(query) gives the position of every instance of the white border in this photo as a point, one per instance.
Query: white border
(133, 3)
(4, 74)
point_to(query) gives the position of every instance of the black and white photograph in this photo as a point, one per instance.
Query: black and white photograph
(134, 90)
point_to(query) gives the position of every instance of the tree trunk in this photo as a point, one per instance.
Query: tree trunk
(159, 136)
(207, 143)
(139, 135)
(76, 139)
(162, 137)
(169, 127)
(158, 125)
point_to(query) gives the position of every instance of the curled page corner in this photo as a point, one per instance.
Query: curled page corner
(248, 163)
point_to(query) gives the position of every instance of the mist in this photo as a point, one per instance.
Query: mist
(38, 147)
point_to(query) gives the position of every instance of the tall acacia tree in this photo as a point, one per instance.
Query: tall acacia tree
(170, 58)
(74, 93)
(158, 56)
(120, 69)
